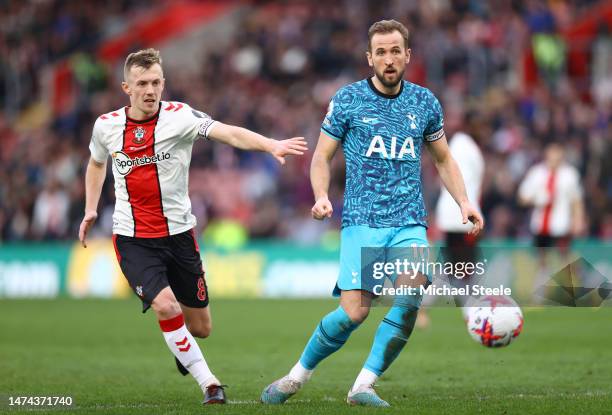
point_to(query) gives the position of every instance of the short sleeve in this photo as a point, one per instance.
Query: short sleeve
(524, 190)
(190, 123)
(530, 186)
(435, 122)
(98, 150)
(204, 123)
(335, 123)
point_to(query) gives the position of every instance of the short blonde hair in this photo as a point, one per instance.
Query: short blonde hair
(387, 26)
(144, 58)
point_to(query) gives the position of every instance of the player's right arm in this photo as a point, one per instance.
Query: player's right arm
(333, 129)
(320, 175)
(94, 180)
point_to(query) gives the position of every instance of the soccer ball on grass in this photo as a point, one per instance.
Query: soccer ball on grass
(494, 321)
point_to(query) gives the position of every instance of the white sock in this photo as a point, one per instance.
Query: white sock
(365, 377)
(300, 373)
(186, 349)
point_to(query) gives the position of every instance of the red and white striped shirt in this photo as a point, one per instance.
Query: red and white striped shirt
(552, 192)
(150, 162)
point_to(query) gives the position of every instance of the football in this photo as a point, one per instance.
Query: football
(494, 321)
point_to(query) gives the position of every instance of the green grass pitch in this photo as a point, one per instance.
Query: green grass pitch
(112, 359)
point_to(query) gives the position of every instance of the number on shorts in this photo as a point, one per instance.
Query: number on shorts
(201, 289)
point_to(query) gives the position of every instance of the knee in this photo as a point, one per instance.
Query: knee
(357, 313)
(165, 307)
(200, 329)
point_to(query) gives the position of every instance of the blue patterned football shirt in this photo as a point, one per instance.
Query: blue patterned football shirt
(382, 137)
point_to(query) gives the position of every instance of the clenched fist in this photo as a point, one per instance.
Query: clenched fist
(322, 209)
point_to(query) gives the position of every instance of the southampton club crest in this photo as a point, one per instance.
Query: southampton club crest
(139, 135)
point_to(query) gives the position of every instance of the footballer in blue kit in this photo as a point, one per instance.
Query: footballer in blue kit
(382, 124)
(382, 137)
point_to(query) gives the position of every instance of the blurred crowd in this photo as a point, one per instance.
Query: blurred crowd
(276, 77)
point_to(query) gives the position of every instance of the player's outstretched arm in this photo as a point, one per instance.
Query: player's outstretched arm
(453, 181)
(248, 140)
(320, 173)
(94, 180)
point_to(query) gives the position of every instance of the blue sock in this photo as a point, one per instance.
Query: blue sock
(329, 336)
(391, 336)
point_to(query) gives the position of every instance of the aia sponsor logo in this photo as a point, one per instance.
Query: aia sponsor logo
(139, 135)
(124, 163)
(395, 148)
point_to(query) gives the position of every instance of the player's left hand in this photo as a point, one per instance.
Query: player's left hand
(470, 213)
(293, 146)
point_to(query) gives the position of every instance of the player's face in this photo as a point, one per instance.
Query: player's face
(388, 56)
(554, 155)
(145, 87)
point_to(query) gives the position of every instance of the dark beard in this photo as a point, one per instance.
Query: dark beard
(388, 84)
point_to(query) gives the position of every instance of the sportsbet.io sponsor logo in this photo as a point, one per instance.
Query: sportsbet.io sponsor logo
(124, 164)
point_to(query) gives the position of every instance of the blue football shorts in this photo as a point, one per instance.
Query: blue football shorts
(363, 247)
